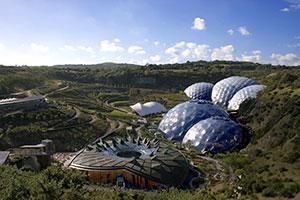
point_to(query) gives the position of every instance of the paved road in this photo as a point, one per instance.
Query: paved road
(109, 104)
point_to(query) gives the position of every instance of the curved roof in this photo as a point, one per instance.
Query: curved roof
(148, 108)
(224, 90)
(199, 91)
(21, 100)
(244, 94)
(214, 135)
(179, 119)
(151, 159)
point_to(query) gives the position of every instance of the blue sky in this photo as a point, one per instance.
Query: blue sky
(48, 32)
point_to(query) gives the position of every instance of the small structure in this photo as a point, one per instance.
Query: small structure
(132, 162)
(148, 108)
(4, 157)
(35, 157)
(27, 103)
(46, 146)
(142, 121)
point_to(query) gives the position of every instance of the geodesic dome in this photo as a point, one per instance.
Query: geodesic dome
(224, 90)
(179, 119)
(214, 135)
(244, 94)
(199, 91)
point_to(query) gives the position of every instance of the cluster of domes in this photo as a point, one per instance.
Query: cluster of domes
(222, 93)
(179, 119)
(203, 122)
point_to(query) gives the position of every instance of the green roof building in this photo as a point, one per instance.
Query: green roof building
(138, 162)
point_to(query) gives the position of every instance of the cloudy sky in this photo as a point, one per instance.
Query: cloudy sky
(48, 32)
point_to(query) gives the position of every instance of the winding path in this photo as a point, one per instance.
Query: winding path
(220, 167)
(58, 90)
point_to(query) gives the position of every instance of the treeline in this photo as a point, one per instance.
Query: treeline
(167, 77)
(13, 79)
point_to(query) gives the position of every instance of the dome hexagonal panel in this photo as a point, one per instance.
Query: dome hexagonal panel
(183, 116)
(244, 94)
(214, 135)
(199, 91)
(224, 90)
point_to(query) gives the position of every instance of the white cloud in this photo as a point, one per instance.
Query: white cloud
(223, 53)
(297, 38)
(285, 10)
(107, 46)
(230, 31)
(93, 56)
(243, 30)
(156, 43)
(180, 44)
(186, 53)
(137, 50)
(294, 4)
(199, 24)
(27, 56)
(30, 54)
(68, 48)
(295, 45)
(155, 58)
(175, 50)
(255, 56)
(72, 48)
(39, 47)
(289, 59)
(117, 40)
(256, 52)
(86, 49)
(191, 45)
(201, 52)
(183, 51)
(138, 62)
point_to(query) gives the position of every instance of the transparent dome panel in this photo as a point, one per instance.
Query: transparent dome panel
(183, 116)
(214, 135)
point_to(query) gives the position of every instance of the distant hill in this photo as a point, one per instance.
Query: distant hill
(101, 65)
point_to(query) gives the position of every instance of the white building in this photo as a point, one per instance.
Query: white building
(148, 108)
